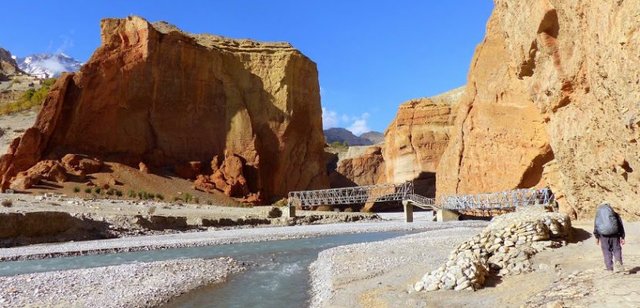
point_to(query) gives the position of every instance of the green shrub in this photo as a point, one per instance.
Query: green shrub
(274, 212)
(119, 193)
(132, 194)
(159, 197)
(188, 198)
(29, 99)
(87, 190)
(76, 189)
(7, 203)
(97, 190)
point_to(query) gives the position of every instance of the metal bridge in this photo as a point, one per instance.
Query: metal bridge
(351, 195)
(506, 200)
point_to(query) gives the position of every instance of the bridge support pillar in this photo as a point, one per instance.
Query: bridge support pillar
(291, 211)
(447, 215)
(408, 210)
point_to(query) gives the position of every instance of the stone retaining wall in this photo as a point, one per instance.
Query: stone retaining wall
(503, 248)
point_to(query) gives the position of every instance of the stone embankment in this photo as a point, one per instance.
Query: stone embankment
(504, 247)
(130, 285)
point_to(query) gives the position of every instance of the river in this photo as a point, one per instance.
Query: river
(277, 274)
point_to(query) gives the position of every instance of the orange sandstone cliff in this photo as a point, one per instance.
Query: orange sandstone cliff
(417, 137)
(237, 116)
(553, 98)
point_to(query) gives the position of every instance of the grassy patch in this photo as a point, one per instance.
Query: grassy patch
(29, 99)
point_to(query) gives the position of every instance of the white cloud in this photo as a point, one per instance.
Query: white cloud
(329, 118)
(359, 125)
(345, 118)
(67, 43)
(356, 124)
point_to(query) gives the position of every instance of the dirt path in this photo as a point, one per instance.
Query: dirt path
(571, 276)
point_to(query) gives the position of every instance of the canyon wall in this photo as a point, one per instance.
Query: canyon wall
(241, 116)
(552, 99)
(417, 138)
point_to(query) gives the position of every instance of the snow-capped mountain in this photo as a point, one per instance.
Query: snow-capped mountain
(48, 65)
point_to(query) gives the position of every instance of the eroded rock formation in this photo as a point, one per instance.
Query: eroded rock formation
(153, 96)
(363, 168)
(552, 99)
(8, 65)
(416, 139)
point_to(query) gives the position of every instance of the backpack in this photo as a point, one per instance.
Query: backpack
(606, 221)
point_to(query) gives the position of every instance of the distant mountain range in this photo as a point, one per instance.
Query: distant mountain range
(47, 65)
(343, 135)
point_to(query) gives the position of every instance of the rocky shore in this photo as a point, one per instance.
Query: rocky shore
(355, 275)
(383, 274)
(130, 285)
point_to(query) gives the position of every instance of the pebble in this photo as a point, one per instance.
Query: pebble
(130, 285)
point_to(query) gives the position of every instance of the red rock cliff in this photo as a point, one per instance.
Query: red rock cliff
(153, 94)
(552, 99)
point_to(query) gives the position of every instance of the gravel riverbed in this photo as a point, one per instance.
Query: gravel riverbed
(382, 273)
(130, 285)
(206, 238)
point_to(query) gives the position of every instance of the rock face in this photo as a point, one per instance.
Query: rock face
(552, 99)
(154, 96)
(416, 139)
(366, 168)
(8, 65)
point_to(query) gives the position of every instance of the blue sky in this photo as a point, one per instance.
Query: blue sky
(371, 55)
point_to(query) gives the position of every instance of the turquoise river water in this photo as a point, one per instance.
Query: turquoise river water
(277, 274)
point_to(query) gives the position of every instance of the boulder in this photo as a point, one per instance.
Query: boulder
(81, 164)
(50, 170)
(24, 180)
(552, 99)
(155, 94)
(228, 177)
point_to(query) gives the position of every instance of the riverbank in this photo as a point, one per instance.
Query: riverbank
(130, 285)
(382, 274)
(372, 274)
(206, 238)
(32, 219)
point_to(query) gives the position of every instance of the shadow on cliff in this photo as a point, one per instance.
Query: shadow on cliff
(425, 184)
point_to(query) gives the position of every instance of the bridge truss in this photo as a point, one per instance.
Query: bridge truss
(506, 200)
(351, 195)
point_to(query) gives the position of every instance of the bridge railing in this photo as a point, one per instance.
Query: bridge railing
(499, 200)
(421, 201)
(507, 200)
(351, 195)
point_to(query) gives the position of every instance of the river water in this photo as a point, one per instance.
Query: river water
(277, 274)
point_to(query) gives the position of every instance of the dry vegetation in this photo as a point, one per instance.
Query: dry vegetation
(29, 99)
